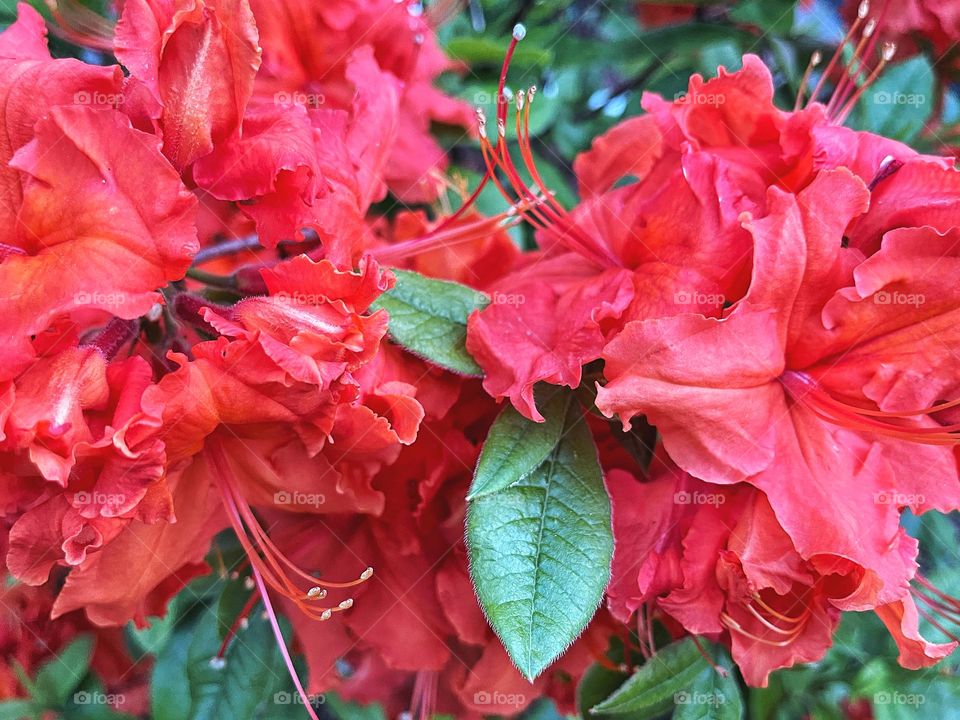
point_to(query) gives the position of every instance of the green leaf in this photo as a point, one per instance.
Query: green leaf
(58, 678)
(351, 711)
(168, 701)
(540, 551)
(480, 50)
(253, 672)
(18, 710)
(516, 446)
(899, 103)
(429, 318)
(711, 697)
(596, 685)
(650, 691)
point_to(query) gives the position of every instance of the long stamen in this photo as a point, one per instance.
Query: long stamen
(805, 615)
(80, 25)
(450, 237)
(862, 13)
(519, 33)
(275, 626)
(769, 625)
(889, 50)
(854, 69)
(804, 389)
(266, 558)
(815, 60)
(735, 626)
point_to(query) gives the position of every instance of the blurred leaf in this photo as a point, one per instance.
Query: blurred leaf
(773, 16)
(597, 684)
(899, 103)
(18, 710)
(60, 676)
(651, 690)
(487, 50)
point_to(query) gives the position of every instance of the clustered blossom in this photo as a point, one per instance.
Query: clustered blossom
(774, 292)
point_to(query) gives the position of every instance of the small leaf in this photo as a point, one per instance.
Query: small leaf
(650, 691)
(516, 446)
(540, 551)
(252, 671)
(711, 696)
(429, 318)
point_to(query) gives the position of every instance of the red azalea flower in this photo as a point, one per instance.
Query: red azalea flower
(670, 242)
(196, 62)
(78, 231)
(807, 388)
(716, 560)
(269, 411)
(307, 58)
(85, 457)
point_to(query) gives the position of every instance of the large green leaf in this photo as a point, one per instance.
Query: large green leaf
(540, 550)
(429, 318)
(657, 685)
(516, 446)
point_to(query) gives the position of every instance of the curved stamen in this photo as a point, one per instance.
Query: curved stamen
(735, 626)
(266, 558)
(769, 625)
(802, 617)
(854, 69)
(805, 390)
